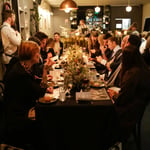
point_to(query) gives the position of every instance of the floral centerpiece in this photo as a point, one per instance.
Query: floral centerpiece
(76, 71)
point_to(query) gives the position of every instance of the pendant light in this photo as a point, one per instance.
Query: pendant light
(128, 8)
(68, 5)
(97, 8)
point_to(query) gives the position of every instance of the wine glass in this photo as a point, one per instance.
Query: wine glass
(69, 87)
(62, 94)
(85, 84)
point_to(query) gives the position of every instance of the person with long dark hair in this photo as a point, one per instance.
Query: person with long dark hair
(133, 97)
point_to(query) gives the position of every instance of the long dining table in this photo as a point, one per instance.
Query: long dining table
(73, 125)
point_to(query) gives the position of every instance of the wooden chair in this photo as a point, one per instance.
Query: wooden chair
(1, 91)
(136, 134)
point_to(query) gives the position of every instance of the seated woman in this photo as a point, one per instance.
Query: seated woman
(50, 47)
(93, 46)
(22, 91)
(131, 100)
(15, 58)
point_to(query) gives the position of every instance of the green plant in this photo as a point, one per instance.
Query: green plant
(75, 71)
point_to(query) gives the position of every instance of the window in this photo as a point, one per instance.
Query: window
(123, 23)
(147, 24)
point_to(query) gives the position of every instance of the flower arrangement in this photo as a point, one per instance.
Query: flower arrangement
(76, 71)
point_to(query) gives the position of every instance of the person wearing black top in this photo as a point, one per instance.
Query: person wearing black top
(58, 45)
(50, 47)
(21, 92)
(37, 68)
(132, 99)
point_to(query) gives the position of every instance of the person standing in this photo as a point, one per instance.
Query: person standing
(133, 29)
(58, 46)
(11, 38)
(83, 28)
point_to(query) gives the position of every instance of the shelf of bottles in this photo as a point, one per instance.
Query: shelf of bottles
(106, 17)
(94, 19)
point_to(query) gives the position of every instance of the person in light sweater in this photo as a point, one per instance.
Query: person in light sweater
(11, 38)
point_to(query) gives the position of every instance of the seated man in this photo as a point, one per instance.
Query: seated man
(115, 59)
(105, 53)
(58, 45)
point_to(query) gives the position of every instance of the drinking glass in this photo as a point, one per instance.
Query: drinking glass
(62, 94)
(69, 89)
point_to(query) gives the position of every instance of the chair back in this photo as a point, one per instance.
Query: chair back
(137, 129)
(1, 91)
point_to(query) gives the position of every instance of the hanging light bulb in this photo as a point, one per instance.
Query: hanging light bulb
(97, 9)
(67, 10)
(128, 8)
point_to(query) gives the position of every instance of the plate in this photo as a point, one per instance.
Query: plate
(114, 88)
(100, 86)
(42, 100)
(97, 85)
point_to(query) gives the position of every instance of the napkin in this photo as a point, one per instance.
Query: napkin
(114, 88)
(54, 58)
(83, 96)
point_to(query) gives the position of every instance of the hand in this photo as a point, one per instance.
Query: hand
(99, 59)
(48, 64)
(57, 52)
(112, 93)
(91, 59)
(49, 55)
(93, 50)
(49, 77)
(17, 32)
(49, 89)
(103, 49)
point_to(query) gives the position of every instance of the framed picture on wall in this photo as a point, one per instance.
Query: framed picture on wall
(147, 24)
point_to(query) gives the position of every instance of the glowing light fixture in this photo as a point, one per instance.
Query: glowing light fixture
(97, 8)
(68, 5)
(128, 8)
(67, 10)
